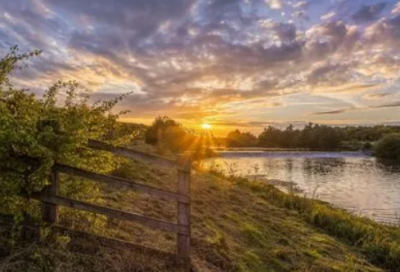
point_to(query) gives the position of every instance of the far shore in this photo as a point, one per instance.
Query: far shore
(263, 149)
(257, 149)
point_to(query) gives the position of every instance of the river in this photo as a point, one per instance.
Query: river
(350, 180)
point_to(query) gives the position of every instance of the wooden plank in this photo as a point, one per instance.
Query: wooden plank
(148, 221)
(112, 242)
(184, 163)
(50, 210)
(133, 154)
(118, 182)
(183, 240)
(8, 220)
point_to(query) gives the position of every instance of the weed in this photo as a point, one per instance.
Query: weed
(252, 234)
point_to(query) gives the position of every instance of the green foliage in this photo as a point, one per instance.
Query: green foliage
(319, 137)
(388, 147)
(369, 133)
(240, 139)
(168, 136)
(367, 146)
(164, 133)
(313, 136)
(123, 133)
(37, 132)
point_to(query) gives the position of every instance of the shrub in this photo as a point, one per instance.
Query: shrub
(367, 146)
(167, 135)
(388, 147)
(37, 132)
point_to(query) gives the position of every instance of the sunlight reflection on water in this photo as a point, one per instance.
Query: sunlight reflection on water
(349, 180)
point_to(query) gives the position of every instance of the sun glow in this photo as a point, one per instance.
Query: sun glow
(206, 126)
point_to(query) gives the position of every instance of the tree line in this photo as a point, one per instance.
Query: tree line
(312, 136)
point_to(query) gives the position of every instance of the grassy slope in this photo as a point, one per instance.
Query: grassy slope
(237, 229)
(237, 226)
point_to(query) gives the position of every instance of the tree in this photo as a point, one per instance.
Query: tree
(312, 136)
(270, 137)
(167, 135)
(239, 139)
(290, 137)
(389, 147)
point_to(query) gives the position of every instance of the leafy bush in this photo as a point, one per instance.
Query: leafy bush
(389, 147)
(164, 133)
(37, 132)
(367, 146)
(168, 136)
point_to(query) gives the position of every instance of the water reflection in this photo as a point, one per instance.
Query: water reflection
(389, 166)
(349, 180)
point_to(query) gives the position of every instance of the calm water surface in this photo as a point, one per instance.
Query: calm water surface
(360, 184)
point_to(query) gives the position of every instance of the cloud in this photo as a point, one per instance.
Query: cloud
(189, 57)
(244, 123)
(141, 17)
(389, 105)
(376, 96)
(340, 111)
(328, 16)
(328, 73)
(300, 14)
(284, 32)
(385, 32)
(330, 112)
(274, 4)
(300, 5)
(368, 13)
(396, 9)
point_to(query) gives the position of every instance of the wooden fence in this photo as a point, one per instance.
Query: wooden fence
(51, 200)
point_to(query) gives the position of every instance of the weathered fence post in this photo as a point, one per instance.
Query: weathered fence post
(50, 211)
(183, 240)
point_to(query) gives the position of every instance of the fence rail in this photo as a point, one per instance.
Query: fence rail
(79, 205)
(121, 183)
(51, 199)
(33, 229)
(133, 154)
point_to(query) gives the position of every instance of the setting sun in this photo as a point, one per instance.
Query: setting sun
(205, 126)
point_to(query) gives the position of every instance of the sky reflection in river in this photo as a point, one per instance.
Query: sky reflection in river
(349, 180)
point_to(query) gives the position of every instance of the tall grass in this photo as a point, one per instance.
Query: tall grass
(379, 243)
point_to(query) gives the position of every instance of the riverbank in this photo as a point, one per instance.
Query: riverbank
(350, 180)
(238, 225)
(350, 146)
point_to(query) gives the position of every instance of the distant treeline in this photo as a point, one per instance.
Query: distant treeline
(312, 136)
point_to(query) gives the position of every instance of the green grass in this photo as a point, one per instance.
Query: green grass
(379, 243)
(237, 225)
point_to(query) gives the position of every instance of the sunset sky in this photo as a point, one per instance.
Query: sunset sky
(230, 63)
